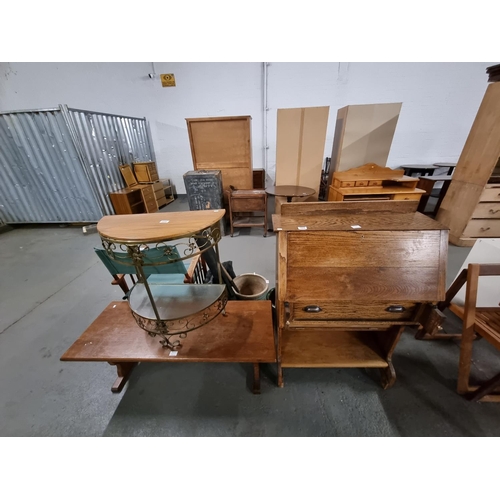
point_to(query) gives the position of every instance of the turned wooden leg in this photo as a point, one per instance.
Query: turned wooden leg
(256, 378)
(388, 376)
(123, 371)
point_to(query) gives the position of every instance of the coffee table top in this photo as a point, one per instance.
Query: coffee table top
(244, 335)
(290, 191)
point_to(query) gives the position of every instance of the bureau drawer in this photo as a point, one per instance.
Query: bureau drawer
(361, 183)
(349, 310)
(483, 228)
(347, 184)
(487, 211)
(409, 196)
(491, 193)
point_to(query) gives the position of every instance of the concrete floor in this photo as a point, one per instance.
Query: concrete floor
(53, 286)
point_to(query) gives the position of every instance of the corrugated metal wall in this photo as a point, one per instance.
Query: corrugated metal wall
(58, 165)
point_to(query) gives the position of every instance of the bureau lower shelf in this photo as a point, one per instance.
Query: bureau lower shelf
(325, 348)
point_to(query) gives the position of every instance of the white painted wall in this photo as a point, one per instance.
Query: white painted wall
(440, 100)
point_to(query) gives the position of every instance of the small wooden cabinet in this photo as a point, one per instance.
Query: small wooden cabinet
(134, 200)
(350, 277)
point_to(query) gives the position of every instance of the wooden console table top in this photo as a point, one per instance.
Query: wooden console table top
(157, 227)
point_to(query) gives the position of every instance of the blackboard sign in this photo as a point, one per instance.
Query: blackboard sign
(204, 189)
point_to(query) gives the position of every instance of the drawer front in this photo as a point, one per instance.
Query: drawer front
(348, 265)
(158, 187)
(349, 310)
(483, 228)
(375, 183)
(487, 211)
(247, 204)
(409, 196)
(151, 206)
(347, 184)
(361, 183)
(154, 175)
(161, 201)
(491, 193)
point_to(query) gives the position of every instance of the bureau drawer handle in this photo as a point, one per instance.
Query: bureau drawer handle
(312, 309)
(396, 309)
(494, 211)
(485, 228)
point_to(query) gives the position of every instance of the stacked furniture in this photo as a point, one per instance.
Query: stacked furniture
(350, 277)
(471, 207)
(372, 182)
(135, 198)
(146, 173)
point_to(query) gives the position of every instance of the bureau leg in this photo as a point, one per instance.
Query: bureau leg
(280, 376)
(123, 371)
(256, 378)
(388, 376)
(387, 341)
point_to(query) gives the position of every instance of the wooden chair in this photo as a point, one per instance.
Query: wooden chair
(478, 322)
(173, 273)
(483, 321)
(243, 203)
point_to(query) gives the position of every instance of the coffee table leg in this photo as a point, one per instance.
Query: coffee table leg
(256, 378)
(123, 371)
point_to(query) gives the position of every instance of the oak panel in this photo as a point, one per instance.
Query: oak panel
(362, 249)
(372, 283)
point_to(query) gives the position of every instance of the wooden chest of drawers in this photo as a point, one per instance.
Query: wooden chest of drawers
(134, 200)
(348, 283)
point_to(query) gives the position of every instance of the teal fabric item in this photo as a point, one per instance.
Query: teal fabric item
(122, 263)
(166, 279)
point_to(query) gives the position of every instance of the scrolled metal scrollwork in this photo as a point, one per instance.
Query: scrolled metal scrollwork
(180, 327)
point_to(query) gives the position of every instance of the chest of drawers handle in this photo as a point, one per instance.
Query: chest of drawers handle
(396, 309)
(494, 211)
(485, 228)
(312, 309)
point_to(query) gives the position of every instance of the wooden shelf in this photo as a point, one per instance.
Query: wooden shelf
(324, 348)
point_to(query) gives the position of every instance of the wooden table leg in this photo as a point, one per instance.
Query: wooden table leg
(442, 193)
(256, 378)
(280, 376)
(123, 370)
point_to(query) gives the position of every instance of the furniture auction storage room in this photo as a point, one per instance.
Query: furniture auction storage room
(253, 256)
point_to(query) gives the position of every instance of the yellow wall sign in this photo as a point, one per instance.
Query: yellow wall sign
(167, 80)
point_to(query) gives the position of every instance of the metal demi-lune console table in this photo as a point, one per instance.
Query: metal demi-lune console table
(146, 241)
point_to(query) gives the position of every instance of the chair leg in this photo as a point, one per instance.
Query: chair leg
(465, 361)
(119, 279)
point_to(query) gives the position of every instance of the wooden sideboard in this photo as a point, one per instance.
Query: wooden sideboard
(350, 277)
